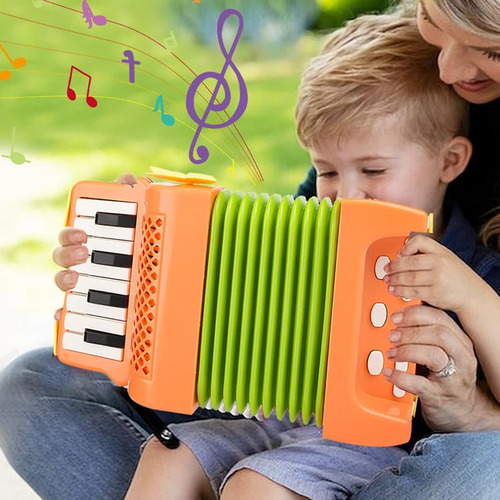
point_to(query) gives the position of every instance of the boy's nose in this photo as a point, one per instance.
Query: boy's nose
(455, 64)
(350, 191)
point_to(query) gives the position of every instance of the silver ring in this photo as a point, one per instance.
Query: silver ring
(448, 370)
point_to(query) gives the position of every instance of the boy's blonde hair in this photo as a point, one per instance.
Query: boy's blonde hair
(378, 65)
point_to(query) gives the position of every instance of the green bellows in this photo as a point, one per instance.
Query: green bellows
(267, 304)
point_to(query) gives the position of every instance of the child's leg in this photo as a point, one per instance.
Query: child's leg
(169, 474)
(248, 484)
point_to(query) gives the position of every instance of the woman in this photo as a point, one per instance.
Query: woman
(55, 418)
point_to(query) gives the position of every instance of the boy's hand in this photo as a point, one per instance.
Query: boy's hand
(426, 270)
(72, 251)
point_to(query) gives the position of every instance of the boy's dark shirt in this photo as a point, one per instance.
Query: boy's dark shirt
(477, 190)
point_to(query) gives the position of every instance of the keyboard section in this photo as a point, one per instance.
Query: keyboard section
(97, 307)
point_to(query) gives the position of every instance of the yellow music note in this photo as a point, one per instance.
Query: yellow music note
(16, 63)
(230, 171)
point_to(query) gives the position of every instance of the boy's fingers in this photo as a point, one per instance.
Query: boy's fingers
(421, 262)
(66, 280)
(70, 255)
(72, 236)
(419, 244)
(126, 179)
(411, 278)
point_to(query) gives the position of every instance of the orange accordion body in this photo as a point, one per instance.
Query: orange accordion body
(195, 295)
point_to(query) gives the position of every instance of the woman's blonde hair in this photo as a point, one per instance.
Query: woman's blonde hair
(489, 233)
(378, 65)
(479, 17)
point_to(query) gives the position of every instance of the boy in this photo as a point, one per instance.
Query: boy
(378, 123)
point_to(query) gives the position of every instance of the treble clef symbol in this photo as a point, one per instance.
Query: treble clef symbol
(220, 81)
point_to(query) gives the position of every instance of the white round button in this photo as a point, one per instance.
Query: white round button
(378, 314)
(399, 393)
(379, 266)
(402, 366)
(375, 363)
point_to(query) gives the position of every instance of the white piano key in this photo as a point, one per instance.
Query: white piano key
(74, 342)
(109, 245)
(78, 322)
(91, 228)
(86, 283)
(118, 273)
(77, 303)
(89, 206)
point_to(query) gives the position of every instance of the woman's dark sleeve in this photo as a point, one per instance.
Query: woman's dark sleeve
(308, 186)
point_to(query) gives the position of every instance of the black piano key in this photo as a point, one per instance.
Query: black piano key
(111, 259)
(102, 338)
(117, 220)
(107, 299)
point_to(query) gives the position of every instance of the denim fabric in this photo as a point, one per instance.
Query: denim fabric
(71, 433)
(292, 455)
(458, 466)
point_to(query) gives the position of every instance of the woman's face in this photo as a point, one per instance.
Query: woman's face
(470, 63)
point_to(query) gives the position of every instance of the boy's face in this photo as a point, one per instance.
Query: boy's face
(377, 162)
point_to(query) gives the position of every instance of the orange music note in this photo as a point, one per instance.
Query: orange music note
(91, 101)
(17, 63)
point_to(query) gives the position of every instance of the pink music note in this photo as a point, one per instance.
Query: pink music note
(88, 15)
(16, 63)
(91, 101)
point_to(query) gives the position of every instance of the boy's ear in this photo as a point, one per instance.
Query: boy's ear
(456, 156)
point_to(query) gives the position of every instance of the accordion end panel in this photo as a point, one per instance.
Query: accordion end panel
(70, 346)
(361, 406)
(168, 303)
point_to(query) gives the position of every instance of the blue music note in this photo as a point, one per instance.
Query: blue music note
(168, 120)
(220, 81)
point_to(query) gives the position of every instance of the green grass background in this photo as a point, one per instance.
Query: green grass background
(75, 142)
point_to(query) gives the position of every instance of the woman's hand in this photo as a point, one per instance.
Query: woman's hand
(72, 251)
(429, 337)
(426, 270)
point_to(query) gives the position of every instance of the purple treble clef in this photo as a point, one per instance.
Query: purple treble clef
(220, 81)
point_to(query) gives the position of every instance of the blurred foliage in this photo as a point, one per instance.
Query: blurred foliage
(268, 23)
(334, 13)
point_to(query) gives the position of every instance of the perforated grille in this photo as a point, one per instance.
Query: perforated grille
(146, 299)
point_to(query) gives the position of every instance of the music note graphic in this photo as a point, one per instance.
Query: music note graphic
(168, 120)
(170, 41)
(230, 171)
(15, 157)
(88, 15)
(91, 101)
(16, 63)
(220, 81)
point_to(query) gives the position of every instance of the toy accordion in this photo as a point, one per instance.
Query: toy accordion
(196, 295)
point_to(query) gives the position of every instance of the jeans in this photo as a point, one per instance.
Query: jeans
(73, 434)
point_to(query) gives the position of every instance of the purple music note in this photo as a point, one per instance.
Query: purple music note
(88, 15)
(220, 81)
